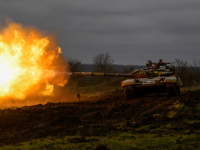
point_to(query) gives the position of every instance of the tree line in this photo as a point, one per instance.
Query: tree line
(188, 73)
(101, 63)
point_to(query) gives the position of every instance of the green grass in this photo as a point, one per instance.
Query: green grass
(189, 88)
(95, 90)
(49, 143)
(171, 114)
(115, 141)
(148, 128)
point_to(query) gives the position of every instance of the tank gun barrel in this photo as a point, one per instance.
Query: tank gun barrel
(132, 75)
(81, 74)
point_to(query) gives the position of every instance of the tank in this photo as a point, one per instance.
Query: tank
(156, 78)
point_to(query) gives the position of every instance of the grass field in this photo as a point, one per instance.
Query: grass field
(175, 125)
(114, 141)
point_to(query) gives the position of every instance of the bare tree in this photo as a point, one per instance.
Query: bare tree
(196, 70)
(75, 65)
(182, 70)
(181, 67)
(103, 63)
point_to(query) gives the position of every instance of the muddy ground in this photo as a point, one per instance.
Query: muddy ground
(101, 115)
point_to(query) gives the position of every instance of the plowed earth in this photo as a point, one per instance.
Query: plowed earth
(100, 116)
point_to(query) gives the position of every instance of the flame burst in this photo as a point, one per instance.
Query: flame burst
(29, 62)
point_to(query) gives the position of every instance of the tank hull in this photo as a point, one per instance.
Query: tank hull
(138, 87)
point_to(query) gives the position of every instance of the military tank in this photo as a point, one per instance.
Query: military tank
(156, 78)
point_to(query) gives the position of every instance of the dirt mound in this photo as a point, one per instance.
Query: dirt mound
(110, 113)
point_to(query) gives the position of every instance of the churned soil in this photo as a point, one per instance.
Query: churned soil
(100, 116)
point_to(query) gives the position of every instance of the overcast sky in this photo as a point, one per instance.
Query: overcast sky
(132, 31)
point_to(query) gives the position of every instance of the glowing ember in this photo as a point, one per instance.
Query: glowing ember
(28, 62)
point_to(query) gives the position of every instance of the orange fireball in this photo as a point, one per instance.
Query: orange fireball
(29, 59)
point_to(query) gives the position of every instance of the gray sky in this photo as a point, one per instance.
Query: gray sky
(132, 31)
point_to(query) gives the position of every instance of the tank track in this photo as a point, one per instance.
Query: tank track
(178, 91)
(173, 90)
(129, 92)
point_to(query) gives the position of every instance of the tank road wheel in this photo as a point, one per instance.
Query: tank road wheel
(178, 91)
(172, 90)
(129, 92)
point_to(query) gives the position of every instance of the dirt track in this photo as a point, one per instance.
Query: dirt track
(100, 116)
